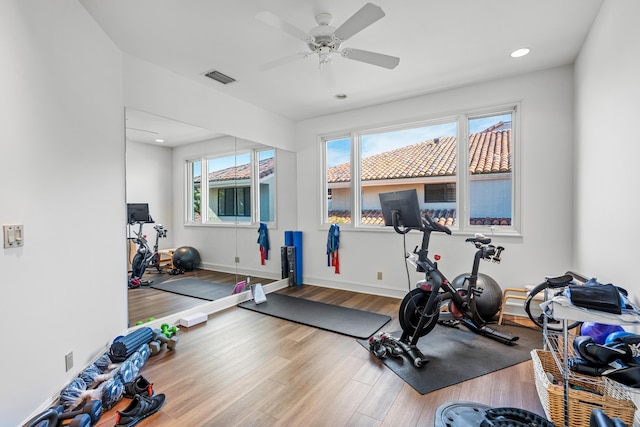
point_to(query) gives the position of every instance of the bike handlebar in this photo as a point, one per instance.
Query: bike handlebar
(428, 224)
(436, 226)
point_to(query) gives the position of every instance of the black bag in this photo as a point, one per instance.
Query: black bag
(596, 297)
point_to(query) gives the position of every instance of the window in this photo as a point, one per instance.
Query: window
(426, 156)
(193, 192)
(267, 185)
(338, 180)
(234, 202)
(439, 193)
(240, 188)
(490, 180)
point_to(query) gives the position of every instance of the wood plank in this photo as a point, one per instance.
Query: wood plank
(243, 368)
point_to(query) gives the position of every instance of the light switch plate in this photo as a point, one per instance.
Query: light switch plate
(13, 236)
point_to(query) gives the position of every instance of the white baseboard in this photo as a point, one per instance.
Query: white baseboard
(357, 287)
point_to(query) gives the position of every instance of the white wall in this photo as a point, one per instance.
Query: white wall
(607, 83)
(149, 180)
(62, 177)
(546, 188)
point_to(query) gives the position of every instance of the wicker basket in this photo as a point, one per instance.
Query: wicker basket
(594, 392)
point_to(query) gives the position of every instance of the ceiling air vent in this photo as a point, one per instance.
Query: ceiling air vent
(219, 77)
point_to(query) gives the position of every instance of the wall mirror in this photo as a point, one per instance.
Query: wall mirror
(168, 164)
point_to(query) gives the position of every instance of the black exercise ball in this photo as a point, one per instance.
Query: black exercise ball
(489, 302)
(186, 258)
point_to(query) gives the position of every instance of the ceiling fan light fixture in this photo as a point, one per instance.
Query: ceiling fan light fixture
(159, 140)
(520, 52)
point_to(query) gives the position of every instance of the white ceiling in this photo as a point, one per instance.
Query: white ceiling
(151, 129)
(441, 44)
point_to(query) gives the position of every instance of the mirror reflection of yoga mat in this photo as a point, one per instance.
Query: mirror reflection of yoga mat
(457, 354)
(343, 320)
(196, 288)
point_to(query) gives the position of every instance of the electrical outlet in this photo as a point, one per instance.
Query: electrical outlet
(68, 361)
(237, 259)
(379, 275)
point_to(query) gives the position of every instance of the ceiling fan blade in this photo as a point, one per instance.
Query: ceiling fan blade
(360, 20)
(284, 60)
(282, 25)
(372, 58)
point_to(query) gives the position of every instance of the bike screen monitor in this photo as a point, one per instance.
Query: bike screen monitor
(404, 204)
(138, 212)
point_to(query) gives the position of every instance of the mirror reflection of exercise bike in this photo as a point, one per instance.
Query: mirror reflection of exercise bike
(145, 257)
(423, 307)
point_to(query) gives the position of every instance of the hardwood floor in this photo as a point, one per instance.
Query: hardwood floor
(243, 368)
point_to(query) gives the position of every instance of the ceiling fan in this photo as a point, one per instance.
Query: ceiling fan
(326, 40)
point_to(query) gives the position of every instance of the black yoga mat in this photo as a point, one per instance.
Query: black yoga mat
(196, 288)
(343, 320)
(457, 354)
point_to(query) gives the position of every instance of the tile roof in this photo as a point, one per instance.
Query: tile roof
(374, 216)
(266, 168)
(489, 152)
(443, 216)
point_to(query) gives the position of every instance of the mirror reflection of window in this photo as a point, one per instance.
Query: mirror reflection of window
(195, 180)
(240, 188)
(266, 185)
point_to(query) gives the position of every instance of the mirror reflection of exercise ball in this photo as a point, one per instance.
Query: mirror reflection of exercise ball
(489, 301)
(186, 258)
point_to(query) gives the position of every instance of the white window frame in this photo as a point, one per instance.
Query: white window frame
(463, 225)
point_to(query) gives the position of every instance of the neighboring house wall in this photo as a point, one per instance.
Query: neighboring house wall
(491, 197)
(429, 162)
(606, 158)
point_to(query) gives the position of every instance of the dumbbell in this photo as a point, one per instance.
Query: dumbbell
(55, 416)
(160, 338)
(168, 331)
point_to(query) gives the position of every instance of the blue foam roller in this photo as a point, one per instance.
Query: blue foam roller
(288, 238)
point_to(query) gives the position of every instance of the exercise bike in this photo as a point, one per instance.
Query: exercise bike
(145, 256)
(422, 308)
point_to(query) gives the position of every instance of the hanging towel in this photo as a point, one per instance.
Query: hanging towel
(263, 241)
(333, 243)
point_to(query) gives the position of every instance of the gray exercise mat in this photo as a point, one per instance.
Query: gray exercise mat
(196, 288)
(457, 354)
(343, 320)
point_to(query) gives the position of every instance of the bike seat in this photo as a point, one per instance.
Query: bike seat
(481, 240)
(560, 280)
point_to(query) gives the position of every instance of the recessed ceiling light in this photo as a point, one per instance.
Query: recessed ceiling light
(340, 96)
(159, 140)
(520, 52)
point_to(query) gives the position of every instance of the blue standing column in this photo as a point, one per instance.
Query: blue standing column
(297, 243)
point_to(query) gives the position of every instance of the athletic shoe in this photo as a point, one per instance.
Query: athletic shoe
(139, 385)
(139, 408)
